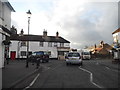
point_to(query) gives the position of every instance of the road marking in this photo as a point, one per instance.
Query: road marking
(97, 63)
(107, 68)
(32, 82)
(55, 67)
(91, 77)
(115, 70)
(45, 67)
(112, 69)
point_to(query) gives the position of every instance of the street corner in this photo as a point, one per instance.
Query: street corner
(28, 77)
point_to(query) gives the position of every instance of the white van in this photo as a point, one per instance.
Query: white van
(86, 55)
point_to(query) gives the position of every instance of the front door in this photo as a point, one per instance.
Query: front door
(13, 55)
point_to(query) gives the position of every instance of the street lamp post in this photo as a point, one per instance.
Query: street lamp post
(29, 15)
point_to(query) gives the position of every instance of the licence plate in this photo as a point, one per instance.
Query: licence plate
(73, 58)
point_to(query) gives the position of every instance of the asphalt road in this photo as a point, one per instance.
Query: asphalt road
(56, 74)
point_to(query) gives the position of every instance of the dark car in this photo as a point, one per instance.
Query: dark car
(39, 56)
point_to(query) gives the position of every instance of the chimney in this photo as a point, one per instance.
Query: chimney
(102, 44)
(45, 33)
(21, 32)
(57, 34)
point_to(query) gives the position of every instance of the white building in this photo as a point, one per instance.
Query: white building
(55, 45)
(116, 42)
(116, 38)
(5, 24)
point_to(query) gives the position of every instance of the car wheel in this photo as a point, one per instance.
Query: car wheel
(67, 64)
(81, 64)
(47, 60)
(42, 61)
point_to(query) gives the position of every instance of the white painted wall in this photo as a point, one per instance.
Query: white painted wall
(119, 37)
(6, 15)
(34, 46)
(1, 57)
(0, 13)
(5, 20)
(2, 48)
(116, 36)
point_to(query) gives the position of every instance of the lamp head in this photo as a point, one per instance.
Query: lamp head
(29, 13)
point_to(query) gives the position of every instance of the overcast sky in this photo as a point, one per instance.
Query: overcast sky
(81, 22)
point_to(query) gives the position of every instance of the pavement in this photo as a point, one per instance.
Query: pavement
(15, 72)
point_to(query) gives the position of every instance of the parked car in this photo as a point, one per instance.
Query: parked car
(39, 55)
(73, 58)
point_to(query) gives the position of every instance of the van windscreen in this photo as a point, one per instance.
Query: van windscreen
(86, 53)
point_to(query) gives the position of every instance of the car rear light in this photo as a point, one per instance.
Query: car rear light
(79, 57)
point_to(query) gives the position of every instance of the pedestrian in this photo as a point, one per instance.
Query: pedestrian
(32, 61)
(7, 59)
(37, 63)
(27, 62)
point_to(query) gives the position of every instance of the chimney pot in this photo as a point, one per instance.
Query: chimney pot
(57, 34)
(45, 32)
(21, 32)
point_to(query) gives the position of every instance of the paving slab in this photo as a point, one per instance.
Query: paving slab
(15, 71)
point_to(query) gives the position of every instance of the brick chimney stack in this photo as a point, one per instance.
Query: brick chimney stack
(57, 34)
(102, 44)
(21, 32)
(45, 33)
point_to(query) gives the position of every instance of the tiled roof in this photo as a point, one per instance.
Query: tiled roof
(107, 46)
(10, 7)
(39, 38)
(98, 49)
(118, 30)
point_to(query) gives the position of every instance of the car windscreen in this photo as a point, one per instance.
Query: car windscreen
(33, 54)
(73, 55)
(39, 53)
(46, 53)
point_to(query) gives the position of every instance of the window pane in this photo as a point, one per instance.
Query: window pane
(49, 44)
(55, 44)
(41, 44)
(23, 53)
(61, 44)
